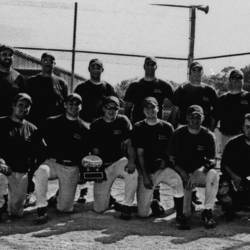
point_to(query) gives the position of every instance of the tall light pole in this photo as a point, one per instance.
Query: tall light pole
(192, 17)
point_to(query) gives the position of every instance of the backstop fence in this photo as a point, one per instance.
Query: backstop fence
(121, 36)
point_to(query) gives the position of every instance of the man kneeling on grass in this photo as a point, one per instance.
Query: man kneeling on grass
(110, 136)
(150, 138)
(192, 147)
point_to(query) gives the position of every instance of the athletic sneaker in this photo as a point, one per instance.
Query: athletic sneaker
(1, 213)
(207, 218)
(42, 216)
(125, 213)
(181, 222)
(29, 202)
(195, 198)
(157, 209)
(112, 201)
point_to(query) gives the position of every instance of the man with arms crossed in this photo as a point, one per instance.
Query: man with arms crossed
(67, 141)
(111, 136)
(15, 151)
(150, 138)
(192, 148)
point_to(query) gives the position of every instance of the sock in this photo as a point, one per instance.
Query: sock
(179, 205)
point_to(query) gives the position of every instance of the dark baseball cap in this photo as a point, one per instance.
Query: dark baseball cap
(111, 99)
(150, 100)
(22, 96)
(48, 54)
(3, 47)
(195, 109)
(96, 61)
(150, 59)
(236, 72)
(195, 65)
(73, 96)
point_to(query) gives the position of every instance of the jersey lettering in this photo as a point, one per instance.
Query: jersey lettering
(245, 102)
(77, 136)
(162, 137)
(157, 91)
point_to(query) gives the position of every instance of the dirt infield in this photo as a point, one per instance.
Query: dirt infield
(85, 229)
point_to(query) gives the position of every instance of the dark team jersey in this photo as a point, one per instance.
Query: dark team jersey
(230, 110)
(138, 91)
(11, 83)
(48, 95)
(190, 150)
(153, 139)
(109, 137)
(187, 95)
(92, 97)
(65, 139)
(236, 156)
(16, 143)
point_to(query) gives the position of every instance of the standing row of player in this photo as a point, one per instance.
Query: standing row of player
(64, 134)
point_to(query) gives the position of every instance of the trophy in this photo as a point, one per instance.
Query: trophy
(92, 164)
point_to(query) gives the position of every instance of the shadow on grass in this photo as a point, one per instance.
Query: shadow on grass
(110, 228)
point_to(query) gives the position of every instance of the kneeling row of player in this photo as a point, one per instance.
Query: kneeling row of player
(58, 146)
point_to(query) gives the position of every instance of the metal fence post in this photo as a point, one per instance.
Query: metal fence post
(192, 12)
(73, 50)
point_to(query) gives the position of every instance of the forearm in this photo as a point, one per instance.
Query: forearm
(128, 109)
(130, 151)
(174, 116)
(230, 173)
(142, 164)
(214, 123)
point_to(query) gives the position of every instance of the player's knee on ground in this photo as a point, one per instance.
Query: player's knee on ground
(3, 188)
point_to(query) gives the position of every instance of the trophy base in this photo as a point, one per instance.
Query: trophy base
(93, 176)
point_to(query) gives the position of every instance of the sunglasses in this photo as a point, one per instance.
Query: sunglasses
(111, 108)
(237, 78)
(196, 69)
(6, 54)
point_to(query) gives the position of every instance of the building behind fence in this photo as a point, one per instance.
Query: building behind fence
(76, 33)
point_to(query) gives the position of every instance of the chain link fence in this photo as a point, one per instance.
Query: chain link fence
(121, 36)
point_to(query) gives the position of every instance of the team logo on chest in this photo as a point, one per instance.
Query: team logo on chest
(77, 136)
(162, 137)
(200, 148)
(15, 86)
(27, 139)
(157, 91)
(244, 102)
(205, 98)
(117, 132)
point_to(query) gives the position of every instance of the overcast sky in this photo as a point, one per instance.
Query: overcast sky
(136, 27)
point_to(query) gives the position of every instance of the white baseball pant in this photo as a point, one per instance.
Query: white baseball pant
(144, 195)
(210, 181)
(102, 190)
(15, 186)
(68, 180)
